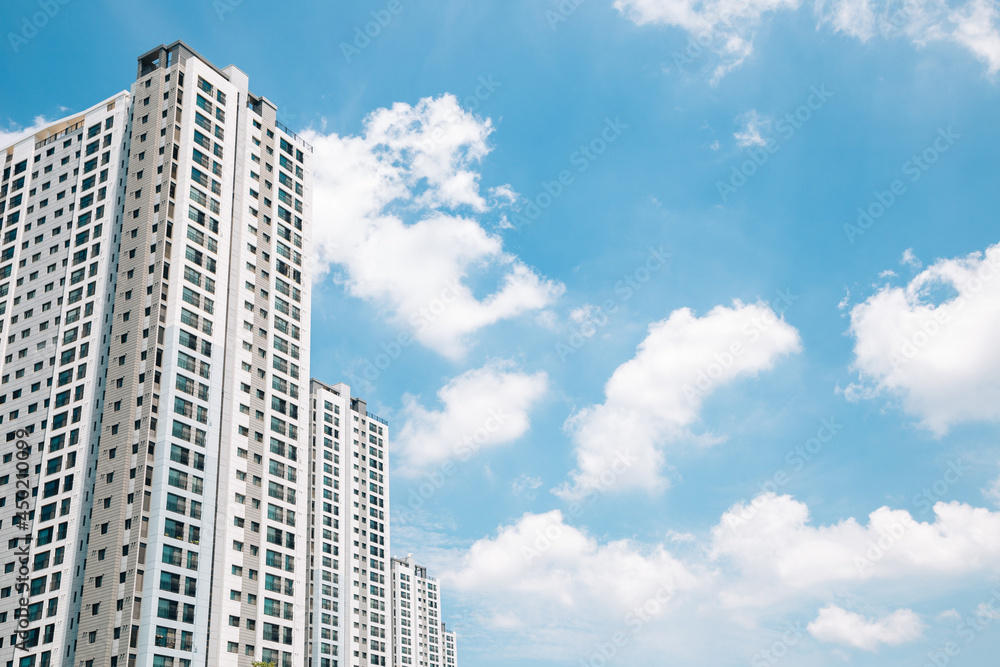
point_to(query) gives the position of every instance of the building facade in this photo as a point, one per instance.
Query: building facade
(350, 594)
(172, 491)
(178, 359)
(417, 631)
(61, 205)
(449, 647)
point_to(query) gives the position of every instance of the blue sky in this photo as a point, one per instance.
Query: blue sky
(567, 342)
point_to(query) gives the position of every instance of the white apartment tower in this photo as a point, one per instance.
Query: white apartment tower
(61, 208)
(350, 592)
(417, 632)
(155, 317)
(449, 647)
(172, 493)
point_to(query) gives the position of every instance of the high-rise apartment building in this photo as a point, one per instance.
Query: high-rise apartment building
(172, 493)
(418, 635)
(61, 207)
(350, 594)
(449, 647)
(157, 302)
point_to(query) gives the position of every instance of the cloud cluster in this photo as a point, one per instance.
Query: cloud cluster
(542, 557)
(728, 27)
(542, 577)
(549, 581)
(653, 399)
(396, 211)
(839, 626)
(482, 408)
(972, 24)
(771, 543)
(932, 342)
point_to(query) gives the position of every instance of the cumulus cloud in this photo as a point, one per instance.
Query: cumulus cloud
(553, 585)
(728, 26)
(932, 343)
(482, 408)
(839, 626)
(656, 397)
(557, 565)
(397, 211)
(773, 546)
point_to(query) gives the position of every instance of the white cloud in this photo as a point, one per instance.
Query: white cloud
(526, 485)
(976, 29)
(986, 611)
(482, 408)
(972, 24)
(993, 492)
(909, 259)
(771, 543)
(836, 625)
(588, 319)
(569, 590)
(14, 133)
(932, 343)
(559, 566)
(653, 399)
(728, 26)
(395, 209)
(567, 587)
(750, 135)
(855, 17)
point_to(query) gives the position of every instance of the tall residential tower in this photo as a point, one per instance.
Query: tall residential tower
(161, 392)
(416, 615)
(61, 207)
(350, 605)
(174, 490)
